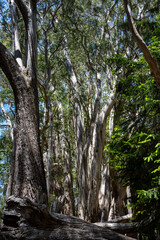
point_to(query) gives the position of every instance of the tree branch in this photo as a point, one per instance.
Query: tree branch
(11, 69)
(94, 114)
(17, 48)
(23, 9)
(108, 106)
(151, 60)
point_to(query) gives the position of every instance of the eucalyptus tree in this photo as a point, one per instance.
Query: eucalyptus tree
(55, 144)
(46, 85)
(90, 114)
(27, 186)
(92, 88)
(59, 27)
(78, 55)
(23, 80)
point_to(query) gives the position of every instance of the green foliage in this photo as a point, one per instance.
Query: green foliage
(98, 40)
(135, 145)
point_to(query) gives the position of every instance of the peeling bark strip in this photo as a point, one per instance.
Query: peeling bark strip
(151, 60)
(24, 220)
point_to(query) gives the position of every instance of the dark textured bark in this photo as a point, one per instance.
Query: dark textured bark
(26, 220)
(27, 177)
(151, 60)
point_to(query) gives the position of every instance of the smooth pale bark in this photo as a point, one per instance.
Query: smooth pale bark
(47, 136)
(122, 219)
(151, 60)
(94, 178)
(88, 169)
(120, 227)
(82, 143)
(97, 156)
(105, 191)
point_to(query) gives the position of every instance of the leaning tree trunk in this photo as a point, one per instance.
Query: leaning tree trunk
(151, 60)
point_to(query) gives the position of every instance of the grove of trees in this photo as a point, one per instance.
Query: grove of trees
(80, 119)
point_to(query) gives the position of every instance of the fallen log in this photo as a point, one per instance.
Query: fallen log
(22, 219)
(120, 227)
(121, 219)
(129, 227)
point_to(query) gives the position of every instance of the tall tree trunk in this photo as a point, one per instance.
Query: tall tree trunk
(49, 150)
(97, 156)
(88, 180)
(94, 178)
(27, 178)
(81, 158)
(104, 193)
(69, 207)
